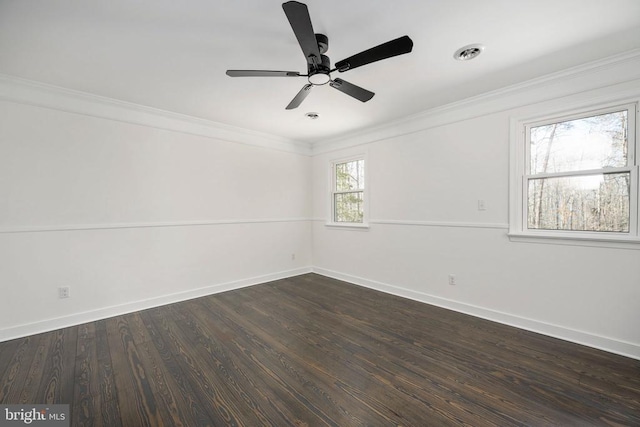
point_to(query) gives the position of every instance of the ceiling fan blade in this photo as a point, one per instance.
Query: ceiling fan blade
(295, 102)
(261, 73)
(386, 50)
(298, 16)
(352, 90)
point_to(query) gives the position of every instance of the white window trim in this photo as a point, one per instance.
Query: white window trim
(364, 225)
(518, 156)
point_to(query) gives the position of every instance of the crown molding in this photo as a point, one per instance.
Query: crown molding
(612, 72)
(23, 91)
(616, 73)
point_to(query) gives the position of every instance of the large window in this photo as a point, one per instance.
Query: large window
(348, 192)
(576, 175)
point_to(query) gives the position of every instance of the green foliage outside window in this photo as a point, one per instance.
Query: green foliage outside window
(348, 193)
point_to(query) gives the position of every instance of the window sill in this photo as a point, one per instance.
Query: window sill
(348, 226)
(568, 238)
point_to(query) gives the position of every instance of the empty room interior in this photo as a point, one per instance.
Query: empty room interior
(320, 213)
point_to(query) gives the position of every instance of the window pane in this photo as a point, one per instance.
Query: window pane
(350, 176)
(586, 203)
(349, 207)
(595, 142)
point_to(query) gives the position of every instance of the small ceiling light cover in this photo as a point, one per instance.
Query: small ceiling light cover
(468, 52)
(312, 116)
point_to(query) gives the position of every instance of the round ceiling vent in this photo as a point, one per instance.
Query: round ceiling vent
(468, 52)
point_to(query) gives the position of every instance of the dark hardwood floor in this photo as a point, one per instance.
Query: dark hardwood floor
(313, 351)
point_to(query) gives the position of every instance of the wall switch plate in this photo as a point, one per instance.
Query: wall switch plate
(482, 205)
(452, 280)
(64, 292)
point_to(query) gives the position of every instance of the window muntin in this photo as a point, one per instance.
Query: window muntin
(348, 191)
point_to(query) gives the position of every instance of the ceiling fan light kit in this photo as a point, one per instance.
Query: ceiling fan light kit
(319, 70)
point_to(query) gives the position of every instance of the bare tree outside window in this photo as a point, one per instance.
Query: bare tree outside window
(575, 181)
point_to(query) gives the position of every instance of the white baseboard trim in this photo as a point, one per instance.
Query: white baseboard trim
(104, 313)
(579, 337)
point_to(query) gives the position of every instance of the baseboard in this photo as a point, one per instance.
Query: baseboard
(579, 337)
(103, 313)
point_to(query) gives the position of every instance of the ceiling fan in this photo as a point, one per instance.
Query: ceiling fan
(318, 65)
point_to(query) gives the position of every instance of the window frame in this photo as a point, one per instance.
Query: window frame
(332, 193)
(520, 176)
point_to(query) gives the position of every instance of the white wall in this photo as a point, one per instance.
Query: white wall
(134, 208)
(426, 177)
(132, 216)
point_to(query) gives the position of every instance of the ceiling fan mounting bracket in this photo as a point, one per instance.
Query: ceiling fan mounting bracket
(323, 43)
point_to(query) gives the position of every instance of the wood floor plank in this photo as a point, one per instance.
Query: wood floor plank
(551, 378)
(201, 373)
(139, 331)
(314, 351)
(360, 366)
(86, 396)
(136, 400)
(169, 388)
(279, 405)
(7, 351)
(33, 387)
(537, 382)
(95, 400)
(384, 402)
(193, 406)
(544, 390)
(109, 409)
(269, 364)
(56, 383)
(245, 376)
(15, 376)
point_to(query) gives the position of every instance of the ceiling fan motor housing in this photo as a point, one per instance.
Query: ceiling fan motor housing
(319, 73)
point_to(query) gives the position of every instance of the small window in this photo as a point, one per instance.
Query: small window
(348, 192)
(578, 175)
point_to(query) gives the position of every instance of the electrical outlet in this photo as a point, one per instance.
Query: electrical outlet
(452, 280)
(64, 292)
(482, 206)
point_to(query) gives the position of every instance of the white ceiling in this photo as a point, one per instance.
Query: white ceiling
(172, 55)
